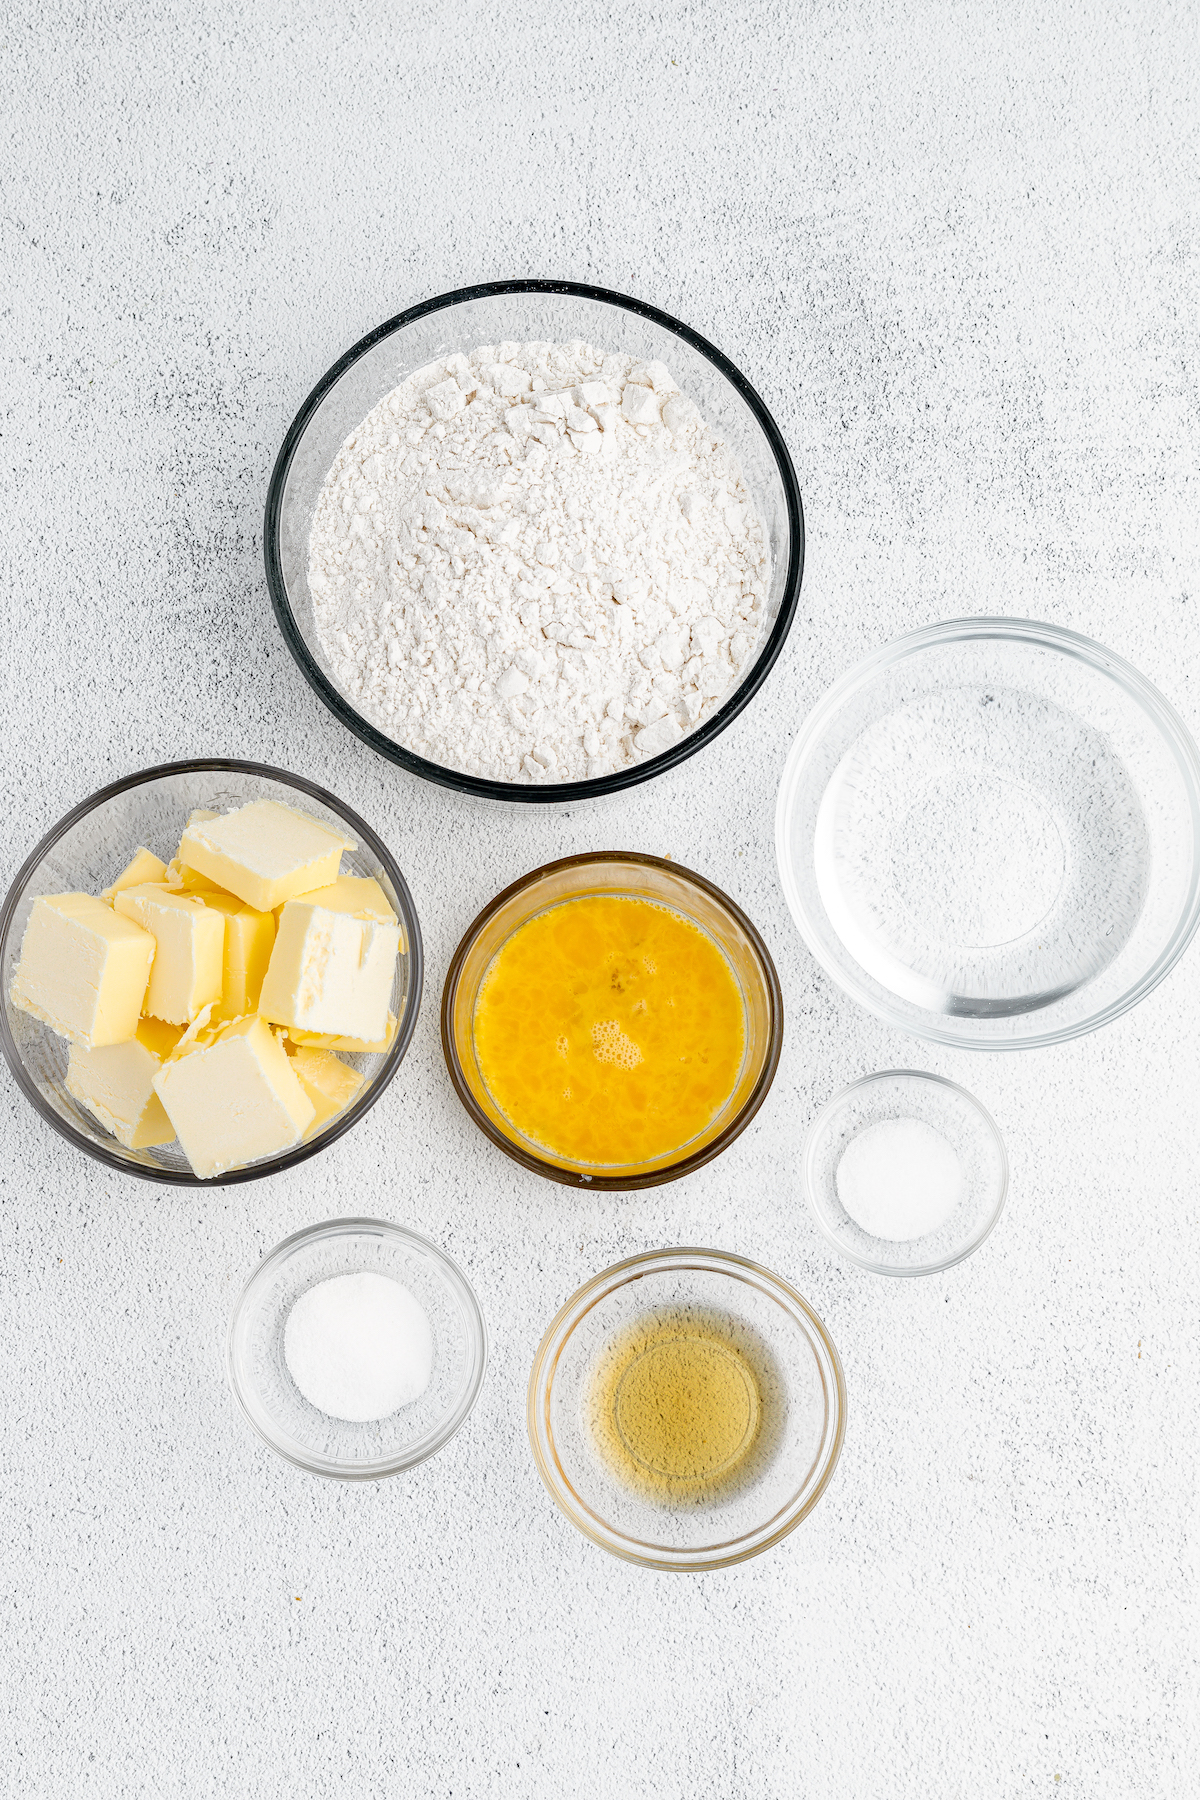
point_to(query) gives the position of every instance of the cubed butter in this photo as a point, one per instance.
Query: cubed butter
(187, 881)
(179, 875)
(323, 1040)
(234, 1100)
(116, 1084)
(329, 1083)
(83, 969)
(330, 972)
(249, 937)
(189, 958)
(264, 853)
(199, 1034)
(360, 895)
(145, 866)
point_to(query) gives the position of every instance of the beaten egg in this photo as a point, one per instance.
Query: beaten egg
(610, 1029)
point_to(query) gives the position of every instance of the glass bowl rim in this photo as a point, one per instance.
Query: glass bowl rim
(455, 1419)
(812, 1138)
(393, 1056)
(984, 629)
(671, 1171)
(555, 1339)
(520, 793)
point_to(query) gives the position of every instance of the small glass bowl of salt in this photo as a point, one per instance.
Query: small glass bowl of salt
(356, 1349)
(906, 1173)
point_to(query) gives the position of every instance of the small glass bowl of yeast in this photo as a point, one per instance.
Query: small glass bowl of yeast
(85, 851)
(635, 1045)
(686, 1409)
(262, 1383)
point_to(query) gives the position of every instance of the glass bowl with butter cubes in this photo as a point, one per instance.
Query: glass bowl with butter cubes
(210, 970)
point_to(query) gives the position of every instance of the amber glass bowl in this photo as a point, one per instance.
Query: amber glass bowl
(629, 876)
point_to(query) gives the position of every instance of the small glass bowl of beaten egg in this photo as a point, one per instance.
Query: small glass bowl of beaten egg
(686, 1409)
(612, 1020)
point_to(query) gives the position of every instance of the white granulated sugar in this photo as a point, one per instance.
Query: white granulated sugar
(900, 1179)
(536, 563)
(359, 1346)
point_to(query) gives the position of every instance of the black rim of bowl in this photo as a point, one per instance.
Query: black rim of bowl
(560, 792)
(392, 1059)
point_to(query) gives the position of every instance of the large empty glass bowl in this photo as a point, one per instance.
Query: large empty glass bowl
(988, 833)
(552, 311)
(88, 848)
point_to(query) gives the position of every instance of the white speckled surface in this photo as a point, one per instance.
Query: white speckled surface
(956, 249)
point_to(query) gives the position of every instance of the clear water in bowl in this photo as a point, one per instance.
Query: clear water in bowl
(988, 833)
(982, 851)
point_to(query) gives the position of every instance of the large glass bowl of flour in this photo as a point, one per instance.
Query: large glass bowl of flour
(988, 833)
(522, 312)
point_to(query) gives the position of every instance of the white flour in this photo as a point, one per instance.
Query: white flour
(536, 563)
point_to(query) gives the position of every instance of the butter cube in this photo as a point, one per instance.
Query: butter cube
(264, 853)
(179, 875)
(116, 1084)
(249, 937)
(183, 880)
(329, 1083)
(234, 1100)
(330, 972)
(360, 895)
(144, 867)
(159, 1037)
(324, 1040)
(83, 969)
(190, 940)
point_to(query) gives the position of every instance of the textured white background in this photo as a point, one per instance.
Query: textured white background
(955, 246)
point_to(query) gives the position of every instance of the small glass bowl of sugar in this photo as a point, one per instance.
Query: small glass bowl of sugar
(356, 1349)
(905, 1172)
